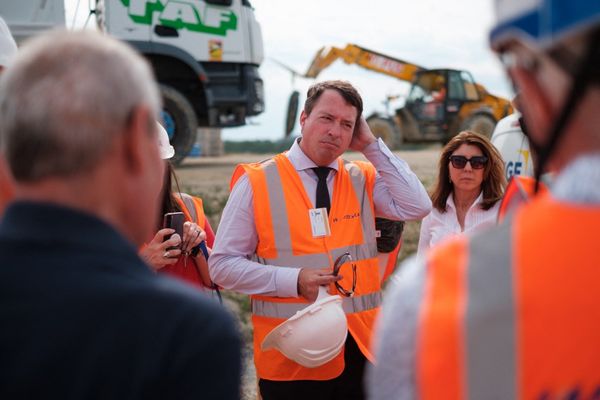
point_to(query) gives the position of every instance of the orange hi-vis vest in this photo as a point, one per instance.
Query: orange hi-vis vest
(520, 190)
(192, 208)
(391, 261)
(514, 313)
(281, 213)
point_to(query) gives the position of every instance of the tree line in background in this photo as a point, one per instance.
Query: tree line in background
(258, 146)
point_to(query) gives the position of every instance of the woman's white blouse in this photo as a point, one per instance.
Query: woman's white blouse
(438, 226)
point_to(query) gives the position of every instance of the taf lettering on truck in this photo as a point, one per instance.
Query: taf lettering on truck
(182, 14)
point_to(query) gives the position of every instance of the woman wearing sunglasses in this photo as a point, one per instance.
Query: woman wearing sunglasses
(466, 196)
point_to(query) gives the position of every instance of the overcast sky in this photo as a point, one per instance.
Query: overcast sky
(431, 33)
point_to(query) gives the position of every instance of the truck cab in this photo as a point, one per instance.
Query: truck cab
(442, 102)
(205, 55)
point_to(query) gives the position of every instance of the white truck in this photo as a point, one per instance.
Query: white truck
(205, 54)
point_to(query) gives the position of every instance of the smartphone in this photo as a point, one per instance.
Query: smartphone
(174, 220)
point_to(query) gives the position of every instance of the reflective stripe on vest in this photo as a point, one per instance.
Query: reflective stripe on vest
(189, 204)
(286, 310)
(490, 331)
(467, 341)
(282, 229)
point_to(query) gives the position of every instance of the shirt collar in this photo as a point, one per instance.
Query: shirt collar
(450, 201)
(301, 161)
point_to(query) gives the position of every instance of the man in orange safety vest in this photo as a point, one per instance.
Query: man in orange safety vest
(289, 219)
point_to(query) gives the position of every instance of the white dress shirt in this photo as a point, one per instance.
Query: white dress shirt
(398, 194)
(438, 226)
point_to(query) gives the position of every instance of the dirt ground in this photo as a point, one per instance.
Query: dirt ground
(208, 178)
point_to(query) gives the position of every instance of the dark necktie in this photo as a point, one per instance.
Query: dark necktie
(322, 191)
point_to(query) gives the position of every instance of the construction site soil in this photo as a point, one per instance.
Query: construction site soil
(208, 178)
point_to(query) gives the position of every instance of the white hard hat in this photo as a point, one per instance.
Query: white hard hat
(164, 146)
(8, 47)
(314, 335)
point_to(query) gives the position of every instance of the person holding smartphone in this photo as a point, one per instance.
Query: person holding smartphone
(466, 196)
(183, 240)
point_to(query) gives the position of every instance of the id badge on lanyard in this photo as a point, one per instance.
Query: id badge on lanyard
(319, 222)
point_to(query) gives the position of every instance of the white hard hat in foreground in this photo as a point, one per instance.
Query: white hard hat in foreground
(164, 146)
(314, 335)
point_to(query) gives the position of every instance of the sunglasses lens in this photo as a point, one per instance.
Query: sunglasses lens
(458, 161)
(478, 162)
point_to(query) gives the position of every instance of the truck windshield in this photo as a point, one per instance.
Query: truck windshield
(220, 2)
(428, 87)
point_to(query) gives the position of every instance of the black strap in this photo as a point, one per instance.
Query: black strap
(322, 198)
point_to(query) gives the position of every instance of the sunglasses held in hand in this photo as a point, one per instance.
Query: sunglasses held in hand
(477, 162)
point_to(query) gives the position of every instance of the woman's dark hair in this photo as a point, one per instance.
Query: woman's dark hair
(494, 180)
(344, 88)
(168, 204)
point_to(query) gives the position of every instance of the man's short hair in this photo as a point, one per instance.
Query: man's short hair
(344, 88)
(65, 98)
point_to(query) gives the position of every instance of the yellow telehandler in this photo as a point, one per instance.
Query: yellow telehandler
(441, 102)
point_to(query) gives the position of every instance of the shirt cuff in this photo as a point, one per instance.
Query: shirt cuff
(382, 157)
(373, 147)
(376, 148)
(286, 282)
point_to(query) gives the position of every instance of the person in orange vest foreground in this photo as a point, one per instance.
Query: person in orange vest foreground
(513, 313)
(8, 49)
(290, 218)
(183, 257)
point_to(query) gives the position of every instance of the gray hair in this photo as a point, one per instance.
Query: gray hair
(65, 98)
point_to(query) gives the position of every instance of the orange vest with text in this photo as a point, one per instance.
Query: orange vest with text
(514, 313)
(281, 213)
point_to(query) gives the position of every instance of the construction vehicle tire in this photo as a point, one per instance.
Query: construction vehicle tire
(479, 123)
(179, 120)
(387, 130)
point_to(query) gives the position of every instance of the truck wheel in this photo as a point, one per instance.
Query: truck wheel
(180, 122)
(387, 130)
(480, 123)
